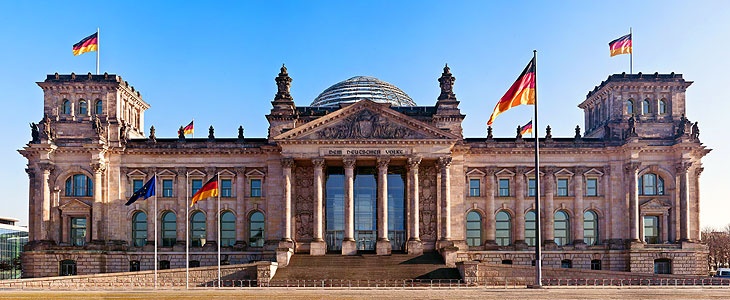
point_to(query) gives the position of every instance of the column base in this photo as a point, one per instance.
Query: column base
(491, 245)
(414, 247)
(549, 245)
(317, 248)
(283, 255)
(580, 244)
(443, 243)
(286, 244)
(383, 247)
(634, 244)
(349, 247)
(520, 245)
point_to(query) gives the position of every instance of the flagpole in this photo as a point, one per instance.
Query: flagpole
(156, 237)
(631, 54)
(538, 235)
(219, 228)
(187, 230)
(98, 45)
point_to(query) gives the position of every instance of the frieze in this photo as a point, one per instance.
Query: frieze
(368, 125)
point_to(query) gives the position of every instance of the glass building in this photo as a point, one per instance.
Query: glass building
(12, 240)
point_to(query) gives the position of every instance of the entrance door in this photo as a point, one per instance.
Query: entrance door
(365, 209)
(335, 208)
(396, 208)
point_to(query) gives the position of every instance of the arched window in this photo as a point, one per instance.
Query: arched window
(590, 228)
(83, 107)
(662, 106)
(79, 185)
(662, 266)
(169, 229)
(98, 107)
(474, 229)
(228, 229)
(197, 229)
(504, 229)
(256, 233)
(139, 229)
(67, 267)
(562, 228)
(630, 107)
(66, 107)
(530, 228)
(651, 184)
(646, 107)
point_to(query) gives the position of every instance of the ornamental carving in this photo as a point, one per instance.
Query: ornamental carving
(304, 202)
(427, 203)
(368, 125)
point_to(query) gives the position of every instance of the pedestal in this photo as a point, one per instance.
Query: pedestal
(520, 245)
(349, 247)
(414, 247)
(491, 245)
(317, 248)
(283, 255)
(580, 244)
(383, 247)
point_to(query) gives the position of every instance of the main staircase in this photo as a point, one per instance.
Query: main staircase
(366, 267)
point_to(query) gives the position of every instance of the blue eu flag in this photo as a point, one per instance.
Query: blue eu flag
(145, 192)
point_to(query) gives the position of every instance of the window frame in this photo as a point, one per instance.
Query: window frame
(259, 241)
(658, 187)
(226, 192)
(168, 241)
(662, 106)
(193, 188)
(83, 107)
(561, 241)
(595, 189)
(504, 191)
(136, 229)
(75, 229)
(99, 107)
(630, 107)
(228, 241)
(168, 191)
(67, 267)
(646, 107)
(256, 192)
(662, 266)
(596, 264)
(73, 190)
(591, 240)
(566, 264)
(531, 191)
(474, 241)
(475, 191)
(566, 189)
(653, 239)
(134, 266)
(503, 241)
(197, 235)
(531, 241)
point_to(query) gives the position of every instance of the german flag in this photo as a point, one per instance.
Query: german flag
(522, 92)
(209, 189)
(188, 129)
(620, 45)
(89, 43)
(527, 128)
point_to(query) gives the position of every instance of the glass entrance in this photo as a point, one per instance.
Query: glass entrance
(396, 208)
(335, 208)
(365, 209)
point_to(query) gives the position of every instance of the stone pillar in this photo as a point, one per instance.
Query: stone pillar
(383, 244)
(444, 165)
(548, 216)
(182, 207)
(286, 166)
(519, 221)
(632, 173)
(578, 206)
(32, 216)
(414, 245)
(96, 208)
(491, 230)
(349, 246)
(684, 207)
(46, 169)
(240, 206)
(665, 227)
(318, 246)
(606, 231)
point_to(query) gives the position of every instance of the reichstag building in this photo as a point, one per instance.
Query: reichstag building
(364, 169)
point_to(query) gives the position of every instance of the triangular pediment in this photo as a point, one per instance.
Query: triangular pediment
(75, 205)
(593, 172)
(136, 173)
(166, 172)
(255, 173)
(531, 172)
(475, 172)
(655, 204)
(564, 172)
(505, 172)
(365, 120)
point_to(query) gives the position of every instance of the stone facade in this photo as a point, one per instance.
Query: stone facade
(635, 172)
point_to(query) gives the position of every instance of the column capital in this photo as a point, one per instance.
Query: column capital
(318, 162)
(349, 162)
(520, 170)
(240, 171)
(698, 171)
(287, 162)
(632, 167)
(580, 170)
(490, 171)
(606, 170)
(181, 171)
(46, 166)
(30, 172)
(98, 167)
(383, 162)
(549, 170)
(444, 162)
(682, 167)
(413, 162)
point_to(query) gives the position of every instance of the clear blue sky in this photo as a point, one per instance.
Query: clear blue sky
(217, 62)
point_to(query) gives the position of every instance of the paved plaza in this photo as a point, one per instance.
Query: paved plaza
(461, 294)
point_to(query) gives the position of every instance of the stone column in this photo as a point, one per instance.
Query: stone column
(606, 231)
(46, 169)
(665, 227)
(519, 221)
(684, 207)
(96, 209)
(383, 244)
(444, 165)
(240, 206)
(182, 207)
(548, 216)
(32, 216)
(349, 247)
(491, 230)
(286, 165)
(578, 206)
(414, 245)
(632, 173)
(318, 246)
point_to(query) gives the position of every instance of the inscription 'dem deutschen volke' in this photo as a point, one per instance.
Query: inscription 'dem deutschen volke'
(363, 151)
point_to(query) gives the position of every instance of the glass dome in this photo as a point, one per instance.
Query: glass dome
(363, 87)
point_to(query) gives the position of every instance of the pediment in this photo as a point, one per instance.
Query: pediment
(564, 172)
(365, 120)
(196, 173)
(593, 172)
(166, 172)
(75, 205)
(655, 204)
(531, 172)
(136, 173)
(255, 173)
(505, 172)
(475, 172)
(226, 173)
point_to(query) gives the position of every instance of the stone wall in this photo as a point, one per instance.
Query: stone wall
(47, 263)
(682, 262)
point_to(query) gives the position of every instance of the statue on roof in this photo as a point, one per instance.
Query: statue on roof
(446, 82)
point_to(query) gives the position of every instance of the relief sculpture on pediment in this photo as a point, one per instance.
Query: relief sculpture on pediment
(368, 125)
(304, 197)
(427, 203)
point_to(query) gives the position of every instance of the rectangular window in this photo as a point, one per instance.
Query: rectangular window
(255, 187)
(134, 266)
(164, 265)
(591, 187)
(197, 184)
(531, 190)
(78, 231)
(226, 188)
(563, 187)
(474, 188)
(137, 184)
(504, 187)
(167, 188)
(651, 229)
(596, 264)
